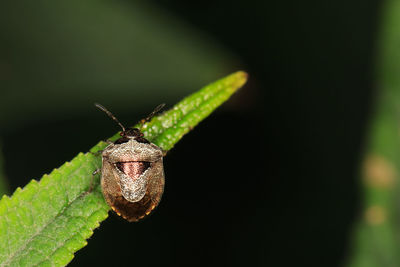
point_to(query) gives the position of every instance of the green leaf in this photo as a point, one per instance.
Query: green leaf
(47, 221)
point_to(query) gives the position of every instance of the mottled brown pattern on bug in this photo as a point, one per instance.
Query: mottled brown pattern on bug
(132, 174)
(133, 211)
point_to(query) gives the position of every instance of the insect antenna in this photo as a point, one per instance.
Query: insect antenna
(110, 115)
(153, 113)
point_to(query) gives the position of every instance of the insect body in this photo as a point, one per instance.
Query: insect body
(132, 173)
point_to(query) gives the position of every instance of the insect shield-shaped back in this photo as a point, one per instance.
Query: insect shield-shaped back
(132, 174)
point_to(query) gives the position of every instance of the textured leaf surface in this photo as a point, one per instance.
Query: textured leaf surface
(47, 221)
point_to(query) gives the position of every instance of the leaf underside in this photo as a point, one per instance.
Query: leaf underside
(46, 222)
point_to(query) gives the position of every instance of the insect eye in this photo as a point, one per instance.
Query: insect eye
(121, 140)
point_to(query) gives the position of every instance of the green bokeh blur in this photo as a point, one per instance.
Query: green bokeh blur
(270, 179)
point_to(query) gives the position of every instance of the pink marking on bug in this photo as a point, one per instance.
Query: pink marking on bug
(133, 169)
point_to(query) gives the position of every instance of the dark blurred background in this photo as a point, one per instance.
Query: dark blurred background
(269, 179)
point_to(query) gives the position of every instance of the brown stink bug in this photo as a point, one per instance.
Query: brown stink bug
(132, 172)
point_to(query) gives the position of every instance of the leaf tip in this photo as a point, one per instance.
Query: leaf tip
(239, 79)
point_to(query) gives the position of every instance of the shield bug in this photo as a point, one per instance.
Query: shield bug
(132, 172)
